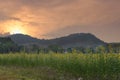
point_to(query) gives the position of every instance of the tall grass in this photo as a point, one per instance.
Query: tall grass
(85, 65)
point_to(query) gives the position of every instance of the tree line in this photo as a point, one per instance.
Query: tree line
(58, 49)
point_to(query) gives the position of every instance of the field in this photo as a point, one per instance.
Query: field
(22, 66)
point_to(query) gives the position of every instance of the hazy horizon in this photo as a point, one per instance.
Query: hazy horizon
(57, 18)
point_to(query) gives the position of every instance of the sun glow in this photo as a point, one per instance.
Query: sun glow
(15, 27)
(17, 31)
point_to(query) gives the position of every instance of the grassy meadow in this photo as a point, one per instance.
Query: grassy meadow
(70, 66)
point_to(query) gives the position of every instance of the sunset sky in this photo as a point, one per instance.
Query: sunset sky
(55, 18)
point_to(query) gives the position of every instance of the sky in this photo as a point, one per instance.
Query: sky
(56, 18)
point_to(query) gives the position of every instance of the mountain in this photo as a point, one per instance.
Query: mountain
(23, 39)
(73, 40)
(7, 45)
(5, 40)
(78, 40)
(114, 45)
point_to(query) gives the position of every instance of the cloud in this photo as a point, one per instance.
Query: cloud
(54, 18)
(45, 3)
(4, 34)
(5, 18)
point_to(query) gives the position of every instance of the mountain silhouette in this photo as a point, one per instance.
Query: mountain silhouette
(73, 40)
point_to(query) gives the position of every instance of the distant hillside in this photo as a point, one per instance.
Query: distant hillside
(73, 40)
(23, 39)
(78, 40)
(4, 40)
(7, 45)
(114, 45)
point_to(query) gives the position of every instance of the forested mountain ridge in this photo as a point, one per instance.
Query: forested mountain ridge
(73, 40)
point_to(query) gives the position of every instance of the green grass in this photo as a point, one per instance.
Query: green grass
(87, 66)
(33, 73)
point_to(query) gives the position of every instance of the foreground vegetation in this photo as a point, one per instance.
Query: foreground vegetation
(85, 66)
(32, 73)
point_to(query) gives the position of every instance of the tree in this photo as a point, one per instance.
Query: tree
(101, 49)
(55, 48)
(35, 48)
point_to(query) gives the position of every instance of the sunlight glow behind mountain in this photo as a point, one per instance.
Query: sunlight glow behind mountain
(16, 31)
(47, 19)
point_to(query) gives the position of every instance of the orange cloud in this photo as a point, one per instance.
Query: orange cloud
(55, 18)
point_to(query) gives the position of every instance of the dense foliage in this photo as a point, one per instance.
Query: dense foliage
(7, 45)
